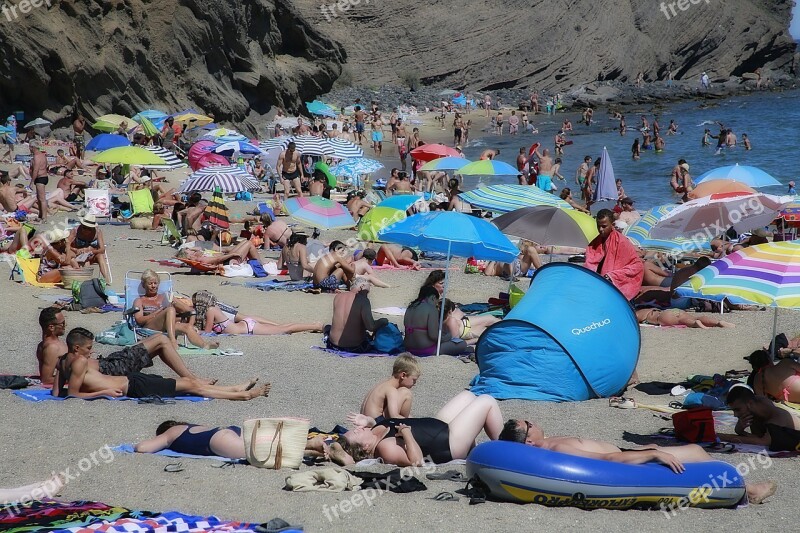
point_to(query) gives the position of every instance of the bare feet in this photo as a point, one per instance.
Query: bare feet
(758, 492)
(724, 324)
(261, 391)
(211, 345)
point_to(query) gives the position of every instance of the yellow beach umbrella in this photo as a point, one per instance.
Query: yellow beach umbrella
(110, 122)
(193, 119)
(128, 155)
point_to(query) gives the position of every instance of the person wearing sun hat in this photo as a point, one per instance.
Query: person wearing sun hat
(85, 245)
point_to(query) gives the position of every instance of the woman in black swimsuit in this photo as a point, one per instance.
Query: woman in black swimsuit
(195, 439)
(409, 441)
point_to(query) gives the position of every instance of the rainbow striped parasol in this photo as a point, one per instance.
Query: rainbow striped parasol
(216, 212)
(319, 212)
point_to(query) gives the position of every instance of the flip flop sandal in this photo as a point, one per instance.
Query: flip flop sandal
(675, 405)
(450, 475)
(720, 447)
(156, 400)
(622, 403)
(224, 464)
(231, 352)
(174, 467)
(445, 497)
(678, 390)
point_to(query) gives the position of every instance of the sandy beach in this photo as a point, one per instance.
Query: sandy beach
(38, 439)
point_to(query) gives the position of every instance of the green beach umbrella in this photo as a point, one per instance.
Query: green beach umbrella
(377, 219)
(128, 155)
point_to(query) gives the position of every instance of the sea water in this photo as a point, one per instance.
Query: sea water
(769, 119)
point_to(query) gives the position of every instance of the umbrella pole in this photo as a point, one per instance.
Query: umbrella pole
(774, 332)
(444, 295)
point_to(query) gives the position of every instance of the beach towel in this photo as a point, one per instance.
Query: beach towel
(54, 515)
(273, 285)
(44, 395)
(29, 267)
(128, 448)
(390, 311)
(174, 263)
(623, 266)
(183, 351)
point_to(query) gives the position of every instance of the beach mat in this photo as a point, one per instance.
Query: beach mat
(174, 263)
(273, 285)
(128, 448)
(44, 395)
(341, 353)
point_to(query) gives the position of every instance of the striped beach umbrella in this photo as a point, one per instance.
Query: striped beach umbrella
(216, 212)
(765, 274)
(376, 219)
(344, 149)
(277, 142)
(319, 212)
(488, 167)
(171, 161)
(310, 145)
(506, 198)
(750, 176)
(227, 178)
(639, 234)
(445, 163)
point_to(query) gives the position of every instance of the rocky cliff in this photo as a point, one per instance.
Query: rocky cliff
(233, 58)
(501, 44)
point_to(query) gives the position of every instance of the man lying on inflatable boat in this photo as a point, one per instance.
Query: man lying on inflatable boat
(673, 457)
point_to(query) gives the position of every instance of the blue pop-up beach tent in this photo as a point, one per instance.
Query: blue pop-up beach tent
(572, 337)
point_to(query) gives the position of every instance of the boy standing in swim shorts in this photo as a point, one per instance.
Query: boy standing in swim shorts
(392, 398)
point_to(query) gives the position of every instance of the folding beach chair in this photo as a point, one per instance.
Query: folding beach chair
(141, 202)
(28, 269)
(134, 289)
(171, 234)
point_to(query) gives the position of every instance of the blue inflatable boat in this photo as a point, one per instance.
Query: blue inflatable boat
(520, 473)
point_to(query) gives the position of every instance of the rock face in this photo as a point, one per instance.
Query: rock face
(503, 44)
(233, 58)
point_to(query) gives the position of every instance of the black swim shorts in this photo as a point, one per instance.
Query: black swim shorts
(289, 176)
(43, 180)
(126, 361)
(148, 385)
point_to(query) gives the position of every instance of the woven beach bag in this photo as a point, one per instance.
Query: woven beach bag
(275, 443)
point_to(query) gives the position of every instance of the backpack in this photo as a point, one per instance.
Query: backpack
(388, 339)
(90, 293)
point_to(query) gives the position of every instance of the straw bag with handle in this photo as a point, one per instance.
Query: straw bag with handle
(275, 443)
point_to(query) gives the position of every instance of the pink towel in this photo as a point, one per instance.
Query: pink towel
(620, 263)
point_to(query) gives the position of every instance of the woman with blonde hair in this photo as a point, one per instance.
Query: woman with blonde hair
(156, 311)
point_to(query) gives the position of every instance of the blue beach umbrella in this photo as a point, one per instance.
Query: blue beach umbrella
(353, 168)
(750, 176)
(454, 234)
(606, 187)
(153, 115)
(507, 198)
(105, 141)
(320, 108)
(230, 148)
(400, 201)
(488, 168)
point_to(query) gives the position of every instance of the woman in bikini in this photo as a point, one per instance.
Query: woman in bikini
(155, 311)
(676, 317)
(780, 381)
(408, 441)
(54, 257)
(294, 257)
(421, 323)
(468, 328)
(86, 245)
(210, 318)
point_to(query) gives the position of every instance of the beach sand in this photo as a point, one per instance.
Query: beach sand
(37, 439)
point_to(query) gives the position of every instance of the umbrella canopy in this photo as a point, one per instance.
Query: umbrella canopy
(713, 215)
(445, 163)
(104, 141)
(193, 119)
(639, 234)
(505, 198)
(220, 132)
(325, 169)
(319, 212)
(605, 187)
(454, 234)
(488, 167)
(153, 115)
(216, 212)
(549, 226)
(310, 145)
(750, 176)
(277, 142)
(710, 187)
(764, 274)
(353, 168)
(37, 123)
(401, 201)
(228, 179)
(791, 213)
(111, 122)
(148, 128)
(128, 155)
(343, 149)
(230, 148)
(171, 161)
(6, 129)
(376, 219)
(321, 109)
(429, 152)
